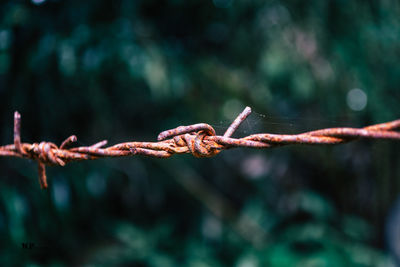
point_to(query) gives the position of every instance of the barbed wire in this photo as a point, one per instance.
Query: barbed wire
(198, 139)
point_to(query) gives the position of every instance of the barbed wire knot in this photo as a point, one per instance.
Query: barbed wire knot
(199, 139)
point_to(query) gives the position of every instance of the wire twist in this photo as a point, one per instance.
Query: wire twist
(200, 140)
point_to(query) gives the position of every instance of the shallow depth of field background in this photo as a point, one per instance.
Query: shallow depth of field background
(126, 70)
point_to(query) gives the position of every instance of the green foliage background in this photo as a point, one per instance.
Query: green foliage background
(126, 70)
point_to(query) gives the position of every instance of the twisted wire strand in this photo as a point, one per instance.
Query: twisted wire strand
(200, 140)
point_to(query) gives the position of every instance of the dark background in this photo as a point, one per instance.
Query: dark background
(126, 70)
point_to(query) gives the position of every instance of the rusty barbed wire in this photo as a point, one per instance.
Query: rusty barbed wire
(198, 139)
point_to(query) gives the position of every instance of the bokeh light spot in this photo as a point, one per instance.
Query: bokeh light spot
(232, 108)
(356, 99)
(61, 194)
(254, 167)
(96, 184)
(38, 2)
(4, 39)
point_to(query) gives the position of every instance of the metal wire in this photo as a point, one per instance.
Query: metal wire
(198, 139)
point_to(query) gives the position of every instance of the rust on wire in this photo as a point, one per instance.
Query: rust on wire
(200, 140)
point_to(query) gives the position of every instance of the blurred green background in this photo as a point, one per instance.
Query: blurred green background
(126, 70)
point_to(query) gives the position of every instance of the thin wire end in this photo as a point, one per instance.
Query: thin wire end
(235, 124)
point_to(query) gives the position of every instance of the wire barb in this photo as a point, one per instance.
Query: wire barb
(200, 140)
(17, 133)
(235, 124)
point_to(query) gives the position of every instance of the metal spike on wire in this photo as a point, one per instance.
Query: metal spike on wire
(198, 139)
